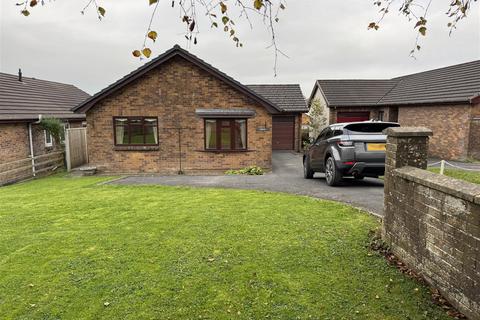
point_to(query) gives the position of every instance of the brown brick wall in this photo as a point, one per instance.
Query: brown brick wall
(172, 92)
(450, 126)
(474, 141)
(13, 142)
(432, 222)
(15, 161)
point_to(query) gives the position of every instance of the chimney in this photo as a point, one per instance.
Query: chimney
(20, 75)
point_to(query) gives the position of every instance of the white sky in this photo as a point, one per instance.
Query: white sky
(324, 40)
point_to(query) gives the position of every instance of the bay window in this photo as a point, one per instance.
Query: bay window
(226, 134)
(135, 131)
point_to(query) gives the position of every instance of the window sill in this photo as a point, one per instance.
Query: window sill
(136, 148)
(226, 151)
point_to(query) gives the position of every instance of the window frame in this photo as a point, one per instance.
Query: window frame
(142, 118)
(381, 115)
(218, 129)
(48, 144)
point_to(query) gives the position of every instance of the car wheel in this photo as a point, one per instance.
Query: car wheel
(307, 170)
(332, 175)
(358, 177)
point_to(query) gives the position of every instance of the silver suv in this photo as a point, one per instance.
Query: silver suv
(354, 149)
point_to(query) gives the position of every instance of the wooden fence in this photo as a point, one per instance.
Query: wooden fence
(27, 168)
(76, 153)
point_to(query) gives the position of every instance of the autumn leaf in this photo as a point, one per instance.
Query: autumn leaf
(423, 31)
(225, 19)
(192, 26)
(33, 3)
(282, 6)
(25, 12)
(147, 52)
(150, 2)
(136, 53)
(101, 10)
(257, 4)
(223, 7)
(214, 24)
(152, 35)
(373, 25)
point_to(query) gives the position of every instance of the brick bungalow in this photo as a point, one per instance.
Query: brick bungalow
(446, 100)
(178, 114)
(23, 101)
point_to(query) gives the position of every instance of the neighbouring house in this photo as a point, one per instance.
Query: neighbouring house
(23, 102)
(178, 114)
(446, 100)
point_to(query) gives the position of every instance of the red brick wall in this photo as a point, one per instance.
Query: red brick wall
(15, 161)
(450, 125)
(172, 92)
(474, 139)
(13, 142)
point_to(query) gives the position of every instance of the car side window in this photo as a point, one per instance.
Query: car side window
(328, 134)
(321, 136)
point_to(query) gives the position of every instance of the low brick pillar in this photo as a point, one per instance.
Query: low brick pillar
(406, 146)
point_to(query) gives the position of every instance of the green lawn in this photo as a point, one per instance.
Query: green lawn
(470, 176)
(72, 249)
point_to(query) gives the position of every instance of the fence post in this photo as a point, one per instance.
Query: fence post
(86, 144)
(442, 167)
(67, 150)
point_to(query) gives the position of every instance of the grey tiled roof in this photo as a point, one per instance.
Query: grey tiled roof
(27, 99)
(288, 97)
(355, 92)
(450, 84)
(458, 83)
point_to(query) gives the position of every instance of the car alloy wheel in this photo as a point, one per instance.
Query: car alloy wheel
(329, 170)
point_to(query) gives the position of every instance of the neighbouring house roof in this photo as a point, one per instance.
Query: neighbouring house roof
(354, 92)
(454, 84)
(288, 97)
(166, 56)
(27, 99)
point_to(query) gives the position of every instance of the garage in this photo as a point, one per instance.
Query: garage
(352, 116)
(283, 133)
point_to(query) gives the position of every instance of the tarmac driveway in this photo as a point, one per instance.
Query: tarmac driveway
(286, 176)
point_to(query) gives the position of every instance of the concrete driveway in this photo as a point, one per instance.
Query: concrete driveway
(286, 176)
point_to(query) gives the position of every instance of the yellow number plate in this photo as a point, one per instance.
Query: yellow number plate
(376, 146)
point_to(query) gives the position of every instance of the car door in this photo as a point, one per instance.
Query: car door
(317, 150)
(322, 148)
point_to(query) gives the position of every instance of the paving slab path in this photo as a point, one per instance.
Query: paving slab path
(286, 176)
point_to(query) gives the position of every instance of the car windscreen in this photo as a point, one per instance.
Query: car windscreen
(370, 127)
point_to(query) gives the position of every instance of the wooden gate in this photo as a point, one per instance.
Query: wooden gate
(76, 153)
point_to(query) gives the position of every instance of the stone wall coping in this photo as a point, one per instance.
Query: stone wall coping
(408, 132)
(458, 188)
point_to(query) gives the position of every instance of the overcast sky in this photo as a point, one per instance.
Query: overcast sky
(324, 40)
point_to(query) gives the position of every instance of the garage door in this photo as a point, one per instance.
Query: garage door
(352, 116)
(283, 133)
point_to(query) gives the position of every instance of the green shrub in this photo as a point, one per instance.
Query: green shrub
(251, 170)
(53, 126)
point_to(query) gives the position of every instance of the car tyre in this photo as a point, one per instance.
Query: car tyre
(358, 177)
(307, 170)
(332, 175)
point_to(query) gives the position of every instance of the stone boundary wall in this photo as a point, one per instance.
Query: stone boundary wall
(432, 222)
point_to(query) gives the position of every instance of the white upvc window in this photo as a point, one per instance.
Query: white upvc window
(48, 139)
